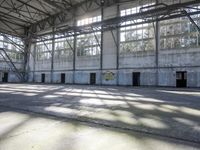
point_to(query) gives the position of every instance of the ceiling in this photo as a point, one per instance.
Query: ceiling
(15, 15)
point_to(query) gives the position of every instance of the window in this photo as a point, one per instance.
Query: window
(179, 32)
(13, 46)
(88, 20)
(44, 48)
(63, 47)
(136, 37)
(88, 44)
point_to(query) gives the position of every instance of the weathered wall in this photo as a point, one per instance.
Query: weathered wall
(5, 68)
(169, 62)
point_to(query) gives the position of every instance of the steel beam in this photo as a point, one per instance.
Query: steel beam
(3, 14)
(52, 54)
(157, 47)
(191, 20)
(33, 7)
(74, 52)
(117, 47)
(21, 49)
(12, 66)
(53, 4)
(101, 46)
(168, 12)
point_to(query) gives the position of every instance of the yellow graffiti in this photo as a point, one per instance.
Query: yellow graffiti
(108, 76)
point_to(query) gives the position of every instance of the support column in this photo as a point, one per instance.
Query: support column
(53, 49)
(34, 61)
(74, 51)
(157, 48)
(27, 52)
(118, 46)
(101, 44)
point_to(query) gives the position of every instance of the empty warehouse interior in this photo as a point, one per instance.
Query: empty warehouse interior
(147, 43)
(99, 74)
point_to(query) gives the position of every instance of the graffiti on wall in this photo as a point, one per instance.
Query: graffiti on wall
(108, 76)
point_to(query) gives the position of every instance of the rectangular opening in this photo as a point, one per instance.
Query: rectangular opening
(181, 79)
(62, 78)
(43, 78)
(92, 78)
(136, 78)
(5, 77)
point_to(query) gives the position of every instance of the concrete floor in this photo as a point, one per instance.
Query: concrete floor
(72, 117)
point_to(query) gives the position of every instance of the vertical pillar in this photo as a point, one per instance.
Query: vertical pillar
(101, 44)
(53, 49)
(117, 46)
(27, 51)
(34, 60)
(74, 50)
(157, 47)
(74, 58)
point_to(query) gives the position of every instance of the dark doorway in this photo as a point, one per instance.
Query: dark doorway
(5, 77)
(92, 78)
(43, 78)
(136, 78)
(62, 77)
(181, 79)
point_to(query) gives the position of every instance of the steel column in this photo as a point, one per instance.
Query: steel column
(53, 49)
(34, 60)
(157, 47)
(118, 46)
(74, 52)
(101, 48)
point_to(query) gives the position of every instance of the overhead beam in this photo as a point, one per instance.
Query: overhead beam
(65, 11)
(53, 4)
(19, 47)
(13, 17)
(158, 11)
(39, 10)
(191, 20)
(13, 23)
(11, 28)
(171, 11)
(13, 67)
(6, 31)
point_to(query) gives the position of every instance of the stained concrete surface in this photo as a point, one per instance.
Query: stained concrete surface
(92, 117)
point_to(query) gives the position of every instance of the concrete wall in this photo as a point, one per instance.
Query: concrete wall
(5, 68)
(43, 65)
(139, 59)
(12, 77)
(63, 64)
(169, 62)
(88, 62)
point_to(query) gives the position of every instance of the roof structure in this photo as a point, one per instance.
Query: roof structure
(16, 15)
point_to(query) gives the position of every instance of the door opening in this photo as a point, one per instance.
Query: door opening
(5, 77)
(92, 78)
(181, 79)
(62, 77)
(43, 78)
(136, 78)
